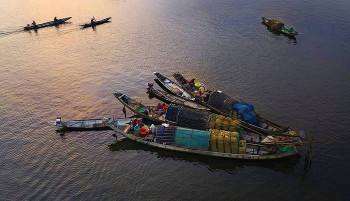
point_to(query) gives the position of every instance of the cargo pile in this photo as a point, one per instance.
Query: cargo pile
(221, 122)
(226, 142)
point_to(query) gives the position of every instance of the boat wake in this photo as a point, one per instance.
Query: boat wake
(11, 32)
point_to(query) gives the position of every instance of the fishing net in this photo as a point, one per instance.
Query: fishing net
(221, 101)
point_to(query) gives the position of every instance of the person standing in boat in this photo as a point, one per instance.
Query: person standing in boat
(34, 23)
(55, 19)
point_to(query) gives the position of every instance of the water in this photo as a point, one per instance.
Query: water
(69, 72)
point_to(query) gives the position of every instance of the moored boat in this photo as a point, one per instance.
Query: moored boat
(221, 103)
(170, 98)
(172, 87)
(47, 24)
(95, 23)
(82, 125)
(208, 143)
(202, 120)
(278, 26)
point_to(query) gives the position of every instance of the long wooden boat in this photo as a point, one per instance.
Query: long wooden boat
(277, 26)
(265, 127)
(193, 141)
(201, 120)
(170, 98)
(96, 23)
(224, 104)
(83, 125)
(172, 87)
(47, 24)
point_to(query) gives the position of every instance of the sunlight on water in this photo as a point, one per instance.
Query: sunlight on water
(71, 72)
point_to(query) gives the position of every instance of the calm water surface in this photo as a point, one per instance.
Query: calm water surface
(68, 72)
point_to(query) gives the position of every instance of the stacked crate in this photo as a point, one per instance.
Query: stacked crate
(234, 138)
(224, 141)
(242, 146)
(221, 122)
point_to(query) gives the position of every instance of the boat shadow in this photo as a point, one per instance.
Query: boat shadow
(284, 165)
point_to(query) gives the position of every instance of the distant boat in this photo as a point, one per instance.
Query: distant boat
(277, 26)
(47, 24)
(96, 23)
(82, 125)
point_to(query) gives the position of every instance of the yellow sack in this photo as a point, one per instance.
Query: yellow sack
(201, 90)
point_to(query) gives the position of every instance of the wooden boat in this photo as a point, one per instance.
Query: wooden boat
(96, 23)
(265, 127)
(139, 109)
(170, 98)
(83, 125)
(201, 120)
(277, 26)
(224, 106)
(47, 24)
(171, 87)
(193, 141)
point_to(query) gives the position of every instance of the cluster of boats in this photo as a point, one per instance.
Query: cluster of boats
(208, 122)
(57, 22)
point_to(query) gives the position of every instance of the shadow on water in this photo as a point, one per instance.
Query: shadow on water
(285, 166)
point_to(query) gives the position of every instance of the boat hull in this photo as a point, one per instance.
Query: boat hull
(106, 20)
(124, 132)
(83, 125)
(47, 24)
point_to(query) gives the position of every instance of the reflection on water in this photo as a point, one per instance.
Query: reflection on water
(285, 165)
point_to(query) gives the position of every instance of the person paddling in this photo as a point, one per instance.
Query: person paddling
(93, 21)
(34, 24)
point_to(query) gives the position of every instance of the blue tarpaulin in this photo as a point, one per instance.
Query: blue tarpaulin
(247, 113)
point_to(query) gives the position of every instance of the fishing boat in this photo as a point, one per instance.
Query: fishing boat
(95, 23)
(220, 104)
(47, 24)
(83, 125)
(170, 98)
(278, 26)
(202, 120)
(207, 143)
(171, 87)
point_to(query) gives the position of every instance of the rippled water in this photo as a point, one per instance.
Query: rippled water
(68, 72)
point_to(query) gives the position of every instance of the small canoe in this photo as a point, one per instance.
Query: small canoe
(200, 120)
(194, 141)
(279, 27)
(170, 98)
(96, 23)
(172, 87)
(47, 24)
(83, 125)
